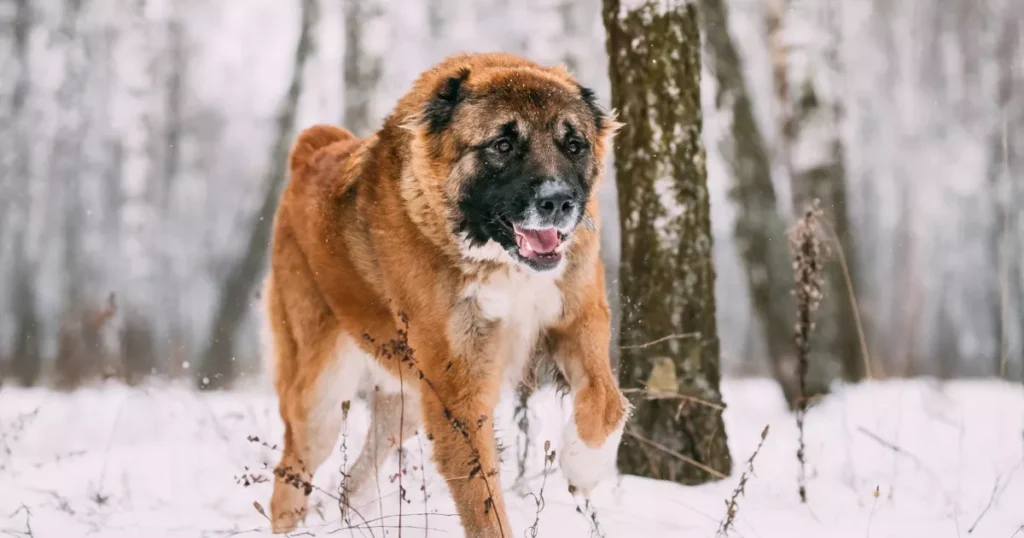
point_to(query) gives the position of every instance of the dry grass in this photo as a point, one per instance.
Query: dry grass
(549, 462)
(395, 349)
(732, 505)
(809, 252)
(398, 349)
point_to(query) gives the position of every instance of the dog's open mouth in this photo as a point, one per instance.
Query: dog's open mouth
(539, 245)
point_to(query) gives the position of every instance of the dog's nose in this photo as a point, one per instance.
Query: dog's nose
(555, 206)
(555, 202)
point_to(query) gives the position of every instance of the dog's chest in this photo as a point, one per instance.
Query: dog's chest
(523, 305)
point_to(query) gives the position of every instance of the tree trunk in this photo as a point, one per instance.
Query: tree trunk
(25, 355)
(26, 359)
(760, 231)
(67, 161)
(362, 68)
(13, 169)
(1005, 288)
(436, 17)
(76, 359)
(811, 145)
(218, 360)
(667, 275)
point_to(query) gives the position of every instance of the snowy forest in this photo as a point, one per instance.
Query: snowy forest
(139, 137)
(143, 150)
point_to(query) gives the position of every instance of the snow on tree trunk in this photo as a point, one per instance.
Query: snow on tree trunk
(759, 231)
(812, 147)
(669, 332)
(237, 289)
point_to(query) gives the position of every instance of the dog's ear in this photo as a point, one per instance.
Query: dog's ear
(440, 109)
(603, 121)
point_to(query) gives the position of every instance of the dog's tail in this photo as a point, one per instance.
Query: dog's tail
(312, 140)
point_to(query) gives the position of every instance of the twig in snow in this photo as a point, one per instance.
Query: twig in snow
(589, 513)
(423, 488)
(259, 508)
(680, 336)
(294, 478)
(398, 348)
(521, 414)
(731, 506)
(549, 460)
(871, 517)
(381, 520)
(11, 432)
(896, 449)
(654, 444)
(808, 264)
(401, 461)
(28, 522)
(662, 395)
(346, 406)
(991, 499)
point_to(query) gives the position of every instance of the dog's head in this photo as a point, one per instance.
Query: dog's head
(507, 157)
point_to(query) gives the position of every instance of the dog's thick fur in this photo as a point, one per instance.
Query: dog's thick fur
(376, 234)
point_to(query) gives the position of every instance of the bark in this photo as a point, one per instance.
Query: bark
(174, 104)
(67, 160)
(435, 21)
(138, 347)
(894, 328)
(140, 342)
(667, 276)
(26, 360)
(760, 231)
(1006, 287)
(362, 68)
(571, 31)
(812, 147)
(237, 289)
(25, 356)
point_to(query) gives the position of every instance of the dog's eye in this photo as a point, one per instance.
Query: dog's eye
(502, 145)
(574, 147)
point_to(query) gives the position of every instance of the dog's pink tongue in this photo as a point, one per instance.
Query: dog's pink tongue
(541, 241)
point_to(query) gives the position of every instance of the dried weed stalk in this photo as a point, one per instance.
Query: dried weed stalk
(343, 493)
(521, 414)
(395, 349)
(292, 477)
(398, 349)
(10, 434)
(549, 462)
(28, 533)
(732, 505)
(589, 512)
(809, 253)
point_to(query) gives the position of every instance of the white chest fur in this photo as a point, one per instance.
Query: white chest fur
(524, 303)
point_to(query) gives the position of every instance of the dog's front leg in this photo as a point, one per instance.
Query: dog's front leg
(591, 439)
(458, 396)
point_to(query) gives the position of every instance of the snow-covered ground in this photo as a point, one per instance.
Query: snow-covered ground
(887, 459)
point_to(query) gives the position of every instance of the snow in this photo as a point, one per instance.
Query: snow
(651, 7)
(162, 461)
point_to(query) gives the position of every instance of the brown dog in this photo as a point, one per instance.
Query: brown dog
(454, 230)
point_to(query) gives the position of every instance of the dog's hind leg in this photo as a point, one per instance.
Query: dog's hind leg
(328, 371)
(394, 419)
